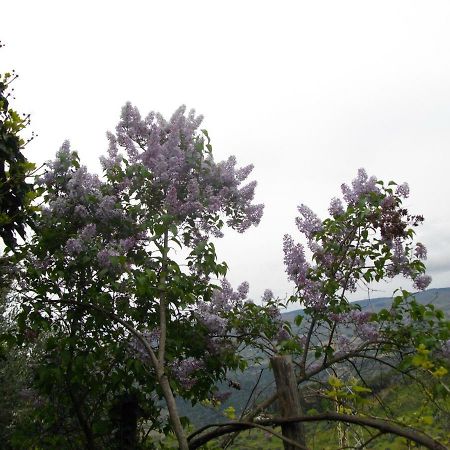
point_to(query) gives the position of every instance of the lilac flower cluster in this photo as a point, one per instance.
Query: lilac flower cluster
(105, 256)
(361, 321)
(71, 190)
(191, 183)
(88, 232)
(308, 223)
(60, 165)
(400, 262)
(267, 296)
(403, 190)
(184, 371)
(336, 208)
(399, 258)
(369, 332)
(74, 246)
(75, 194)
(213, 314)
(152, 337)
(282, 335)
(420, 251)
(298, 270)
(354, 316)
(108, 209)
(422, 281)
(343, 345)
(294, 259)
(361, 185)
(386, 223)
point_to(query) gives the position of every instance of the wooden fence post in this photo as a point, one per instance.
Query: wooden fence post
(288, 399)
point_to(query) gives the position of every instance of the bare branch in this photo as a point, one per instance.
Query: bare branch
(378, 424)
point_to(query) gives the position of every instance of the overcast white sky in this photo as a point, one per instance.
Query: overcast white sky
(308, 91)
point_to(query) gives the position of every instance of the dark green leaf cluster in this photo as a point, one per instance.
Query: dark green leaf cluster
(16, 193)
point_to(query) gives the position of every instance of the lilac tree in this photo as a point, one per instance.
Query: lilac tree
(103, 273)
(336, 347)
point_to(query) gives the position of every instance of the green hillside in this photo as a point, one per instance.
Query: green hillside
(408, 405)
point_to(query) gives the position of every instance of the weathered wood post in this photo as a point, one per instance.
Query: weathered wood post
(288, 399)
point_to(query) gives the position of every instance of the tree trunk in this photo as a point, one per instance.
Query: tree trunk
(288, 399)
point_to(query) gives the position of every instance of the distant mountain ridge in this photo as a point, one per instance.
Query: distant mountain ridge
(440, 297)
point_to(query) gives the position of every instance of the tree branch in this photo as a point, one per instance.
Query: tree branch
(381, 425)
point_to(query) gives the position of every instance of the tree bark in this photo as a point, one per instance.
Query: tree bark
(288, 400)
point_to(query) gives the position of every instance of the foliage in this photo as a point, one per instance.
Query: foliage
(16, 193)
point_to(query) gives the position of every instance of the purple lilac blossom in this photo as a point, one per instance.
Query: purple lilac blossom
(81, 184)
(420, 251)
(361, 185)
(47, 178)
(368, 332)
(422, 281)
(274, 313)
(282, 335)
(388, 202)
(312, 296)
(63, 159)
(403, 190)
(215, 324)
(73, 194)
(58, 207)
(294, 260)
(192, 182)
(107, 210)
(74, 246)
(127, 244)
(104, 257)
(308, 223)
(152, 337)
(399, 258)
(336, 208)
(81, 211)
(213, 314)
(184, 371)
(267, 296)
(343, 345)
(243, 290)
(88, 232)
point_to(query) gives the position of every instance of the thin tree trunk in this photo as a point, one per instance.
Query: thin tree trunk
(160, 363)
(173, 413)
